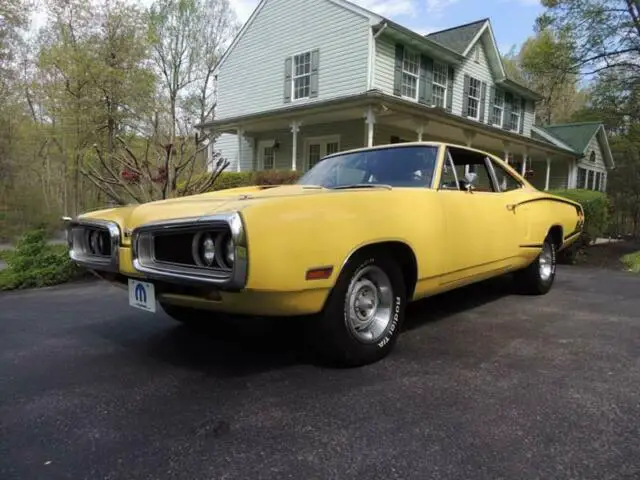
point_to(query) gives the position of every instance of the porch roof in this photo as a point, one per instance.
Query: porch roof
(354, 107)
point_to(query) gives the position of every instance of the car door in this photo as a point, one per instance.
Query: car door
(477, 220)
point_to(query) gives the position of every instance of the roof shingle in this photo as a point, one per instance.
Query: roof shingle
(458, 38)
(576, 135)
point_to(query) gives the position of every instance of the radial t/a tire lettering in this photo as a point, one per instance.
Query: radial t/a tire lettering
(363, 315)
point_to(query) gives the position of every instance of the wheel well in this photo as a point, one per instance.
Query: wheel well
(405, 257)
(555, 233)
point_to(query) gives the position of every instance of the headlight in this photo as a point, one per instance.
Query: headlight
(204, 249)
(229, 251)
(98, 242)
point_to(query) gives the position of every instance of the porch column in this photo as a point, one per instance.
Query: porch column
(240, 133)
(523, 170)
(370, 120)
(422, 127)
(506, 152)
(295, 128)
(546, 180)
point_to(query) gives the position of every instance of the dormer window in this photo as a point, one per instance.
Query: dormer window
(410, 74)
(473, 107)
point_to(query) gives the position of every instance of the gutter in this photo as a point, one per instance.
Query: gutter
(372, 55)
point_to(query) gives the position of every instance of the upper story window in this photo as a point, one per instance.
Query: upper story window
(301, 75)
(410, 74)
(497, 110)
(440, 73)
(473, 107)
(516, 113)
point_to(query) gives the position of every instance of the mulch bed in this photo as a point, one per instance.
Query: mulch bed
(607, 255)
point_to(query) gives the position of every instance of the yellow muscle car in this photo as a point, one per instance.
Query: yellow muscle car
(357, 237)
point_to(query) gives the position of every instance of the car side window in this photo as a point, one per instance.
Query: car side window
(449, 176)
(468, 161)
(506, 181)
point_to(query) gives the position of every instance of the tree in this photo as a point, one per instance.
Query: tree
(604, 34)
(542, 64)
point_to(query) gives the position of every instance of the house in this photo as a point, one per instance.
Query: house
(294, 87)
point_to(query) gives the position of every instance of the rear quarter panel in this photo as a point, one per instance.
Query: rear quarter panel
(541, 212)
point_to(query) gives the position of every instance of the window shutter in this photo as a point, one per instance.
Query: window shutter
(288, 66)
(492, 100)
(397, 78)
(523, 109)
(450, 89)
(315, 65)
(483, 99)
(508, 98)
(465, 95)
(426, 80)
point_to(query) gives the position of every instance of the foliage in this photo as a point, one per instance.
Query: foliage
(228, 180)
(35, 263)
(542, 64)
(632, 261)
(596, 211)
(604, 34)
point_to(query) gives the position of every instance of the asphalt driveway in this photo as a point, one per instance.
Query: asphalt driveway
(483, 384)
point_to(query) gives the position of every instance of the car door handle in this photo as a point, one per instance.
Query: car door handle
(511, 207)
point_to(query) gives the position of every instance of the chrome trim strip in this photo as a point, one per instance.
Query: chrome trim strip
(144, 258)
(75, 241)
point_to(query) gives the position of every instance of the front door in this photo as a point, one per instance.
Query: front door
(479, 227)
(316, 148)
(266, 155)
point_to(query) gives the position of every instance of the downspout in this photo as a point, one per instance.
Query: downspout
(372, 55)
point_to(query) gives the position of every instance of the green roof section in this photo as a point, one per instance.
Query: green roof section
(576, 135)
(458, 38)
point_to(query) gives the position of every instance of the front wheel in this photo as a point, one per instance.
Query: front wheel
(538, 277)
(361, 320)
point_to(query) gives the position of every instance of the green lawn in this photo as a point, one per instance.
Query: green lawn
(632, 261)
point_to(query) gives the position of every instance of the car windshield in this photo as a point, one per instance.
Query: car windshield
(410, 166)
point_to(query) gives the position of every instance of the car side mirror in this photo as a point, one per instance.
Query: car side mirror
(470, 179)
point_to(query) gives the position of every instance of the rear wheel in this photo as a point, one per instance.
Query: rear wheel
(361, 320)
(538, 277)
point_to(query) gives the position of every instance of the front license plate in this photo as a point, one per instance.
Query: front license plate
(142, 295)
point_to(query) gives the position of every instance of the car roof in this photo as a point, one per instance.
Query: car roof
(407, 144)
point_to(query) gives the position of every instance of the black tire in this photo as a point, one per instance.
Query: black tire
(531, 280)
(333, 338)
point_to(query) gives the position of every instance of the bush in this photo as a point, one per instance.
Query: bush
(35, 263)
(632, 261)
(228, 180)
(596, 211)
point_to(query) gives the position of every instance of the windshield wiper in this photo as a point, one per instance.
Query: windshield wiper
(363, 185)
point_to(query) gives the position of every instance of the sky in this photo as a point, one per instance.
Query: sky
(512, 20)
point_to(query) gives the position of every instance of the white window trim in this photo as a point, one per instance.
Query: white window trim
(478, 98)
(322, 140)
(501, 109)
(446, 81)
(520, 112)
(261, 145)
(417, 76)
(293, 76)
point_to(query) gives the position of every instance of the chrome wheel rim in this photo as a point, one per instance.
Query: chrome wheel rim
(368, 304)
(545, 263)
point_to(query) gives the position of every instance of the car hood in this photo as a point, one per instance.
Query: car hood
(236, 199)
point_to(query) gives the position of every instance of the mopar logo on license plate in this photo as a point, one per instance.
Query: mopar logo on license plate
(142, 295)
